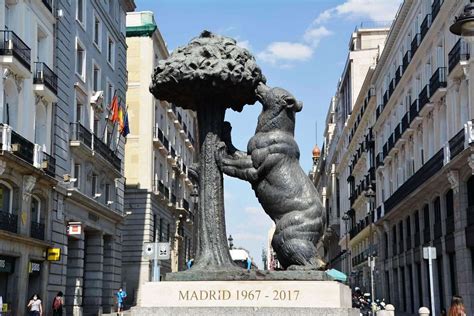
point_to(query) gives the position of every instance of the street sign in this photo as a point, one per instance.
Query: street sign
(163, 251)
(74, 228)
(149, 250)
(54, 254)
(429, 253)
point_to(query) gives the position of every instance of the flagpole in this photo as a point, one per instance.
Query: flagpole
(107, 118)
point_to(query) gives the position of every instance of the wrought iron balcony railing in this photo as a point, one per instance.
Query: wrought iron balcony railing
(406, 60)
(425, 26)
(456, 144)
(44, 75)
(8, 221)
(11, 44)
(415, 43)
(49, 165)
(22, 147)
(424, 96)
(48, 4)
(37, 230)
(460, 52)
(438, 80)
(435, 7)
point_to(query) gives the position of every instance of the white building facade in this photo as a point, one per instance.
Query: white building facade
(28, 92)
(160, 150)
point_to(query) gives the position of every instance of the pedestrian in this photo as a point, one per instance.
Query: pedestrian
(457, 307)
(249, 264)
(35, 306)
(443, 312)
(58, 303)
(121, 295)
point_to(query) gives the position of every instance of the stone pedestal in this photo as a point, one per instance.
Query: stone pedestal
(245, 298)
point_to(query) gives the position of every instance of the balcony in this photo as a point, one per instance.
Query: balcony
(435, 7)
(84, 140)
(391, 88)
(406, 60)
(425, 26)
(178, 120)
(37, 230)
(160, 140)
(45, 82)
(415, 119)
(424, 100)
(430, 168)
(8, 222)
(386, 97)
(415, 43)
(49, 165)
(438, 84)
(405, 124)
(15, 53)
(48, 4)
(456, 144)
(379, 110)
(459, 53)
(159, 187)
(398, 75)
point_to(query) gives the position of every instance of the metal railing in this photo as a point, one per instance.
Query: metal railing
(22, 147)
(8, 221)
(11, 44)
(414, 109)
(48, 4)
(80, 133)
(459, 52)
(37, 230)
(435, 7)
(425, 26)
(438, 80)
(424, 96)
(406, 60)
(456, 144)
(49, 165)
(44, 75)
(415, 43)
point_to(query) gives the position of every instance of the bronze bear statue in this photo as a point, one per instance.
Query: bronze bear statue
(271, 165)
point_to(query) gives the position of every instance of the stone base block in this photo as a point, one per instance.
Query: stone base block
(244, 275)
(239, 311)
(245, 298)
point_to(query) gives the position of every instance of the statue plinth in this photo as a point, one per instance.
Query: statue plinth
(274, 295)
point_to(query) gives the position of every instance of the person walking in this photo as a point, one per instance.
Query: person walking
(249, 264)
(121, 295)
(58, 303)
(35, 306)
(457, 307)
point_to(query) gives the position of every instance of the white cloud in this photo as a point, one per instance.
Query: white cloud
(244, 44)
(285, 51)
(314, 35)
(374, 10)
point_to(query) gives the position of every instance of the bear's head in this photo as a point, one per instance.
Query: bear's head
(279, 107)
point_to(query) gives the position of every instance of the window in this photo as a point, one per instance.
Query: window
(80, 60)
(6, 199)
(94, 185)
(107, 193)
(110, 92)
(154, 228)
(96, 127)
(78, 111)
(168, 232)
(96, 78)
(80, 11)
(110, 51)
(161, 234)
(35, 210)
(97, 29)
(77, 175)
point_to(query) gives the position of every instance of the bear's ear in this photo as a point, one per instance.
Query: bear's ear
(292, 103)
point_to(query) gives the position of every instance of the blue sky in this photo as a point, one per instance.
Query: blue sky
(301, 45)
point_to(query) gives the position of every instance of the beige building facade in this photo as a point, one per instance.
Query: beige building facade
(159, 152)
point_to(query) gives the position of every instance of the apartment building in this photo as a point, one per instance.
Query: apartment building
(344, 169)
(90, 57)
(160, 149)
(28, 92)
(418, 143)
(423, 140)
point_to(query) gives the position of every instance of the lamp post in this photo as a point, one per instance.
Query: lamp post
(195, 199)
(370, 195)
(231, 242)
(346, 220)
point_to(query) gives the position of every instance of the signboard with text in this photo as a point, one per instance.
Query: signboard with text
(74, 229)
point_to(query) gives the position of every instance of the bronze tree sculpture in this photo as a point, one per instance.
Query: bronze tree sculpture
(209, 75)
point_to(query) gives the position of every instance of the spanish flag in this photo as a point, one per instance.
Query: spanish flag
(120, 118)
(114, 110)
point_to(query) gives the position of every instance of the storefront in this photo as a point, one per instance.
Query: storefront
(7, 267)
(34, 278)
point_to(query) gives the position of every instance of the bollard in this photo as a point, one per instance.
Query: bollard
(424, 311)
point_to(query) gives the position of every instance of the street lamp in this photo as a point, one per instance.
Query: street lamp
(370, 195)
(346, 220)
(195, 199)
(231, 242)
(464, 24)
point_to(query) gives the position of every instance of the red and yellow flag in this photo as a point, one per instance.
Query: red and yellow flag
(114, 110)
